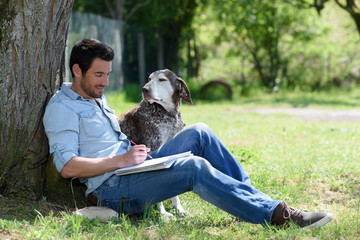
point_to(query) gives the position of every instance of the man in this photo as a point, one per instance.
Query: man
(86, 142)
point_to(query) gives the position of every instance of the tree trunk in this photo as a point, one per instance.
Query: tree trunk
(141, 59)
(32, 47)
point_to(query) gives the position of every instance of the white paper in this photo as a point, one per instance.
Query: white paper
(153, 164)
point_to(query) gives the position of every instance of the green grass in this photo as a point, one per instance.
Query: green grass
(312, 165)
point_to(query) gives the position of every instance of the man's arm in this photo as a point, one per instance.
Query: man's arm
(62, 128)
(89, 167)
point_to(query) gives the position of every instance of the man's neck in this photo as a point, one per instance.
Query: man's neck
(79, 91)
(97, 102)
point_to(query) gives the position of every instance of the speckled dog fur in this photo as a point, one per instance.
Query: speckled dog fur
(157, 117)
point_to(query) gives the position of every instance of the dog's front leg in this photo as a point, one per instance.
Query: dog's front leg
(162, 210)
(176, 204)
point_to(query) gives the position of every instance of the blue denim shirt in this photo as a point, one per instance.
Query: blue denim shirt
(76, 126)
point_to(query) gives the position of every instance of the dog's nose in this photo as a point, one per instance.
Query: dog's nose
(145, 90)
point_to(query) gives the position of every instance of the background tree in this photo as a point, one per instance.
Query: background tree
(164, 27)
(32, 46)
(263, 32)
(352, 7)
(114, 9)
(275, 43)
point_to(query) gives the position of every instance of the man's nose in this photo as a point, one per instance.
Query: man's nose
(105, 80)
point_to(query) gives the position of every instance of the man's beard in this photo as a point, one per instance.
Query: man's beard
(88, 91)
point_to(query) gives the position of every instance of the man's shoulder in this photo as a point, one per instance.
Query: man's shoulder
(60, 102)
(64, 94)
(58, 99)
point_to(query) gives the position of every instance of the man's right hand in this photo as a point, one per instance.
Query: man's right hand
(136, 155)
(89, 167)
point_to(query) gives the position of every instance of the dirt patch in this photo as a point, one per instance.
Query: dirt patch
(313, 114)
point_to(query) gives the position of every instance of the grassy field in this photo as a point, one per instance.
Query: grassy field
(313, 165)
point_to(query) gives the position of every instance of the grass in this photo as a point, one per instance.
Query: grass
(312, 165)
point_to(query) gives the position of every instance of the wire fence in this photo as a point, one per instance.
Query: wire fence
(109, 31)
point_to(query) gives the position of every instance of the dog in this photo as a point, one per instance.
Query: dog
(156, 119)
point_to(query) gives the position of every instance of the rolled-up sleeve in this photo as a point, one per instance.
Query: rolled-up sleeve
(62, 129)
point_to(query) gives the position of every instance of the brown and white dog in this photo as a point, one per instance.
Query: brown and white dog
(156, 119)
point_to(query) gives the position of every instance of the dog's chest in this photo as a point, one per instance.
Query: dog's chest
(158, 126)
(160, 120)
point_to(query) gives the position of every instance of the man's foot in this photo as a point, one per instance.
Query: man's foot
(283, 215)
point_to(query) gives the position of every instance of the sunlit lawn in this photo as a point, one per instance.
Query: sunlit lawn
(312, 165)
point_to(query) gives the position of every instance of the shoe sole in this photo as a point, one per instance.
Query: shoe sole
(320, 223)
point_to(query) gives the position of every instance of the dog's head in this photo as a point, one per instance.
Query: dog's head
(166, 89)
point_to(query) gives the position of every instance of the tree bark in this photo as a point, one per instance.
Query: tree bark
(32, 47)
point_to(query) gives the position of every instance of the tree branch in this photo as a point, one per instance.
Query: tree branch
(353, 10)
(300, 3)
(134, 9)
(318, 4)
(120, 5)
(349, 7)
(110, 9)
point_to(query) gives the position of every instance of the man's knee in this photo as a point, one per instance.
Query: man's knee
(198, 164)
(200, 127)
(201, 130)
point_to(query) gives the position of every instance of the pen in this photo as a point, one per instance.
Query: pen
(133, 143)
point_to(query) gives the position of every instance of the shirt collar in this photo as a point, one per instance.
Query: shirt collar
(66, 89)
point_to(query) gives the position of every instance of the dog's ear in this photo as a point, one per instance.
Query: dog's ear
(184, 90)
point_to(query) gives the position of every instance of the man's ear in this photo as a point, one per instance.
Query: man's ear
(77, 71)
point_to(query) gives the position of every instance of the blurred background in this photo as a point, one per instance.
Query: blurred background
(226, 48)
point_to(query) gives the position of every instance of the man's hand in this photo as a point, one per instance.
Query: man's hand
(89, 167)
(136, 155)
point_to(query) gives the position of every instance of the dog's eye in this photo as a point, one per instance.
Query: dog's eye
(162, 79)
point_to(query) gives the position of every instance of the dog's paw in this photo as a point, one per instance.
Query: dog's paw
(163, 212)
(181, 211)
(167, 215)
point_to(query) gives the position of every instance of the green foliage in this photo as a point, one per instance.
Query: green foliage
(271, 44)
(264, 33)
(133, 93)
(165, 25)
(278, 45)
(162, 16)
(94, 6)
(215, 93)
(167, 22)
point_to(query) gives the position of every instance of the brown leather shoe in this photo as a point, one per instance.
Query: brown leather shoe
(283, 215)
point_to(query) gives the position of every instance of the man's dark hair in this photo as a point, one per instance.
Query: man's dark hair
(85, 51)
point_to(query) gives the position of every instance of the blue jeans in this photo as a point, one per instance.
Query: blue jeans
(213, 174)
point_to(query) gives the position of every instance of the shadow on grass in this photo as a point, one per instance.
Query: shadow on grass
(23, 209)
